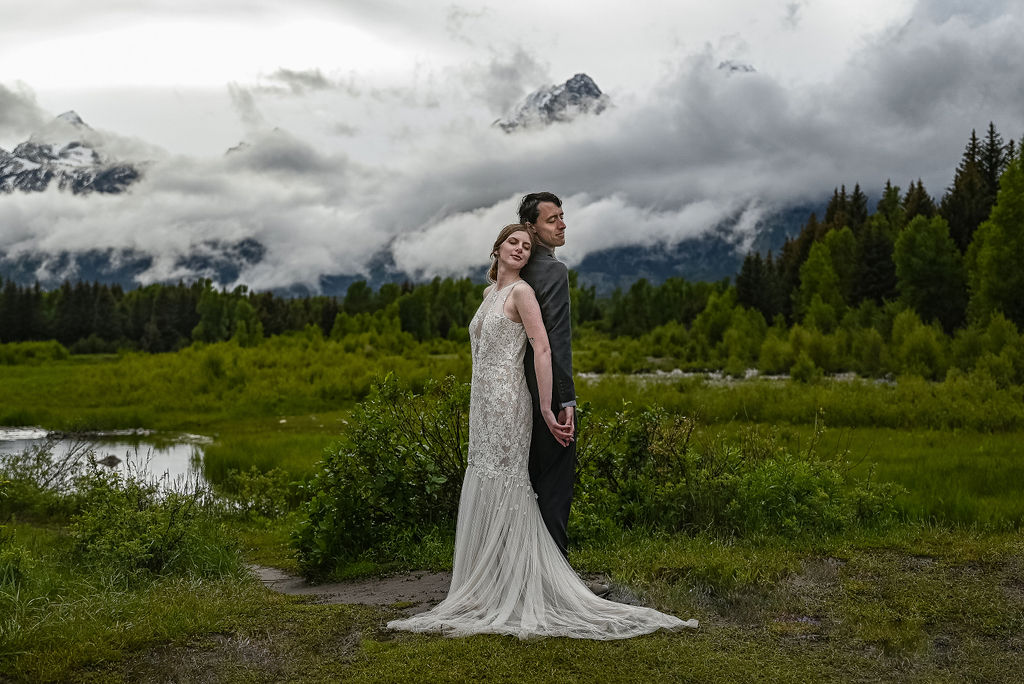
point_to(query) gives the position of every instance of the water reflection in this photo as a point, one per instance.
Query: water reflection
(137, 452)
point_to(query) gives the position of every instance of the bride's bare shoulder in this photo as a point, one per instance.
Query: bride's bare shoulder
(524, 287)
(523, 292)
(487, 290)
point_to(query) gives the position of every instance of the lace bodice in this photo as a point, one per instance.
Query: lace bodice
(500, 408)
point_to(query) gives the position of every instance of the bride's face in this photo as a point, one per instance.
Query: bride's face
(514, 252)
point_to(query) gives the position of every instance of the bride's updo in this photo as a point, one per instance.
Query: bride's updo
(492, 272)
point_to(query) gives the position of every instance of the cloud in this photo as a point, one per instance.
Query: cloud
(298, 82)
(413, 170)
(278, 151)
(244, 104)
(457, 19)
(505, 79)
(19, 112)
(792, 17)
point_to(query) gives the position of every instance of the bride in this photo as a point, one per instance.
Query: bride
(508, 575)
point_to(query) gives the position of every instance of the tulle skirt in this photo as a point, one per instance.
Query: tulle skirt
(510, 578)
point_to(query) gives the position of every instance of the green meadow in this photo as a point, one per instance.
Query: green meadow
(901, 558)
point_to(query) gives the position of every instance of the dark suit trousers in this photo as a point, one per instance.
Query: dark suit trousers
(552, 474)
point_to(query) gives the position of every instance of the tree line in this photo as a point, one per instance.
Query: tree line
(946, 260)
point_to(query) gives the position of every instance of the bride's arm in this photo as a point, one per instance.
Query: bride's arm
(525, 302)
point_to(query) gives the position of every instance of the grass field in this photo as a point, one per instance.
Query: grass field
(937, 596)
(918, 604)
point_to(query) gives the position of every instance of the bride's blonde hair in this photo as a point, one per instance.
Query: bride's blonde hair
(492, 272)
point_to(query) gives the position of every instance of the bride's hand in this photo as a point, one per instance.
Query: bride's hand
(561, 433)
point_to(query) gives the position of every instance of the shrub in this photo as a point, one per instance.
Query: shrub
(37, 484)
(776, 355)
(642, 468)
(804, 370)
(15, 561)
(128, 527)
(253, 493)
(396, 473)
(394, 479)
(31, 353)
(870, 352)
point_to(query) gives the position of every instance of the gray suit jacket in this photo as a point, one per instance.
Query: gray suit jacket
(549, 279)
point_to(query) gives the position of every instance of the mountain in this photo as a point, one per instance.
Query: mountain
(219, 261)
(67, 154)
(712, 256)
(556, 103)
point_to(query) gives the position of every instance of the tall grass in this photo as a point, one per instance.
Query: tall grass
(966, 402)
(204, 385)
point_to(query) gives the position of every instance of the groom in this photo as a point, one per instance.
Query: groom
(552, 466)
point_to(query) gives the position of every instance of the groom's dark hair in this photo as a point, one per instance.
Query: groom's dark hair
(528, 211)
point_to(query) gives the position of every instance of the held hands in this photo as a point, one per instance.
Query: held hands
(562, 427)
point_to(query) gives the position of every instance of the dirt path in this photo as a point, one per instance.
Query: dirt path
(416, 591)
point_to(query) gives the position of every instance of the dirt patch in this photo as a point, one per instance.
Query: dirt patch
(412, 592)
(415, 592)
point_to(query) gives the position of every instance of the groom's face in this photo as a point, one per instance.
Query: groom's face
(550, 224)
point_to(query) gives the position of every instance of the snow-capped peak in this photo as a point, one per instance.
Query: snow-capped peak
(72, 118)
(560, 102)
(68, 152)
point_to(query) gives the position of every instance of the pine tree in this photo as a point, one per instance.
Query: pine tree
(842, 247)
(968, 201)
(10, 323)
(837, 213)
(992, 160)
(994, 259)
(930, 272)
(875, 275)
(857, 209)
(358, 298)
(890, 208)
(917, 202)
(106, 321)
(818, 280)
(750, 282)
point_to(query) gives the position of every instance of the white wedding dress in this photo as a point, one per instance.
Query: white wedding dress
(509, 576)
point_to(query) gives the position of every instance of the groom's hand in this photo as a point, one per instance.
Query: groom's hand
(565, 419)
(561, 433)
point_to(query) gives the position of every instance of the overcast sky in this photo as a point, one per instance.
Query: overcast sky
(368, 124)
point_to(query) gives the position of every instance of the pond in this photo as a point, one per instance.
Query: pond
(144, 453)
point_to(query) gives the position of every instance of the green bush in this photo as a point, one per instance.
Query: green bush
(776, 355)
(252, 494)
(130, 528)
(642, 468)
(38, 485)
(396, 474)
(15, 561)
(805, 370)
(394, 479)
(31, 353)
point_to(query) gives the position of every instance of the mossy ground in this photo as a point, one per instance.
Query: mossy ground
(913, 603)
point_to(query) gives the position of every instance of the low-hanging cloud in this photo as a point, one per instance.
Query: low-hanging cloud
(505, 79)
(704, 147)
(298, 82)
(244, 102)
(19, 111)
